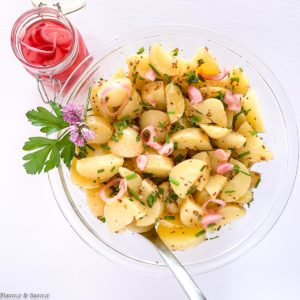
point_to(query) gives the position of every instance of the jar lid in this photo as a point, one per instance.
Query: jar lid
(64, 6)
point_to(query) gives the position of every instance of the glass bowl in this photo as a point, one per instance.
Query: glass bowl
(278, 175)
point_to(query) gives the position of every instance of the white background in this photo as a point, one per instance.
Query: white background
(40, 253)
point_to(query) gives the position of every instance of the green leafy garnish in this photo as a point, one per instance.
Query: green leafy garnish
(152, 198)
(257, 183)
(131, 176)
(100, 171)
(175, 52)
(237, 170)
(229, 192)
(169, 217)
(200, 233)
(140, 51)
(166, 78)
(244, 154)
(154, 69)
(102, 219)
(174, 181)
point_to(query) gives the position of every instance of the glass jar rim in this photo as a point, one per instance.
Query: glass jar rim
(42, 70)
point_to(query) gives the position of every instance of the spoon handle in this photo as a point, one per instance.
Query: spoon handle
(182, 276)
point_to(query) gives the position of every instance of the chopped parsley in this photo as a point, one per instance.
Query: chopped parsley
(175, 127)
(114, 138)
(162, 124)
(195, 120)
(140, 51)
(214, 237)
(192, 77)
(174, 181)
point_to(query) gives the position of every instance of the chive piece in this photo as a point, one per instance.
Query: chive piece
(161, 191)
(241, 69)
(200, 217)
(194, 120)
(229, 192)
(155, 139)
(135, 75)
(254, 132)
(257, 183)
(130, 199)
(131, 176)
(140, 51)
(175, 146)
(174, 181)
(154, 69)
(114, 138)
(179, 158)
(200, 233)
(237, 169)
(172, 197)
(102, 219)
(215, 237)
(134, 194)
(191, 190)
(233, 79)
(211, 225)
(152, 198)
(112, 169)
(192, 77)
(175, 127)
(166, 78)
(202, 168)
(169, 217)
(105, 147)
(200, 62)
(138, 138)
(175, 51)
(243, 154)
(89, 146)
(171, 112)
(100, 171)
(141, 78)
(168, 138)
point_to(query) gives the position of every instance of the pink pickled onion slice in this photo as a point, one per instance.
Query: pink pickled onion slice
(233, 101)
(219, 76)
(110, 88)
(221, 154)
(194, 95)
(218, 201)
(39, 50)
(210, 219)
(151, 100)
(63, 36)
(150, 142)
(142, 161)
(223, 168)
(150, 75)
(167, 149)
(122, 190)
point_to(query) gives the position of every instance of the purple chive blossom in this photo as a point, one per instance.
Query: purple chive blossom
(87, 133)
(73, 113)
(78, 135)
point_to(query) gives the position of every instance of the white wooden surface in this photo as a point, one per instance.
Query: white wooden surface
(40, 253)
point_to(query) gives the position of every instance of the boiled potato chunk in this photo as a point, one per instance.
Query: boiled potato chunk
(191, 138)
(203, 180)
(158, 165)
(201, 196)
(138, 65)
(185, 66)
(215, 185)
(134, 180)
(99, 167)
(230, 213)
(238, 80)
(128, 145)
(163, 62)
(149, 191)
(116, 96)
(180, 238)
(133, 108)
(173, 222)
(206, 63)
(247, 198)
(241, 118)
(159, 119)
(212, 91)
(94, 201)
(231, 140)
(81, 181)
(190, 212)
(191, 112)
(184, 175)
(254, 116)
(175, 102)
(255, 179)
(155, 91)
(215, 132)
(238, 185)
(119, 214)
(214, 110)
(101, 128)
(139, 229)
(120, 73)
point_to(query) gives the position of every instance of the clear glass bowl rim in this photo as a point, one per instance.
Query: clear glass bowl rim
(79, 225)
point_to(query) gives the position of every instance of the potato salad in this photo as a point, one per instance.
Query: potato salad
(173, 144)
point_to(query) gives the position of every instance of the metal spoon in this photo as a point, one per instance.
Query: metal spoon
(180, 273)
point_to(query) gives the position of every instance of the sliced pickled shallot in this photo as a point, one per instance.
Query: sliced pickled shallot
(38, 50)
(221, 154)
(151, 100)
(122, 184)
(194, 95)
(217, 77)
(210, 219)
(166, 149)
(223, 168)
(150, 75)
(142, 161)
(233, 101)
(51, 32)
(151, 140)
(217, 201)
(104, 93)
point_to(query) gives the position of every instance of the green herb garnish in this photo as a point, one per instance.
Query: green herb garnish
(244, 154)
(131, 176)
(112, 169)
(200, 62)
(254, 132)
(234, 79)
(174, 181)
(166, 78)
(140, 51)
(100, 171)
(152, 198)
(168, 138)
(102, 219)
(154, 69)
(169, 217)
(200, 233)
(257, 183)
(191, 190)
(229, 192)
(237, 170)
(175, 52)
(202, 168)
(105, 147)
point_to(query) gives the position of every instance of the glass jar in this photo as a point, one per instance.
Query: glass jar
(49, 47)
